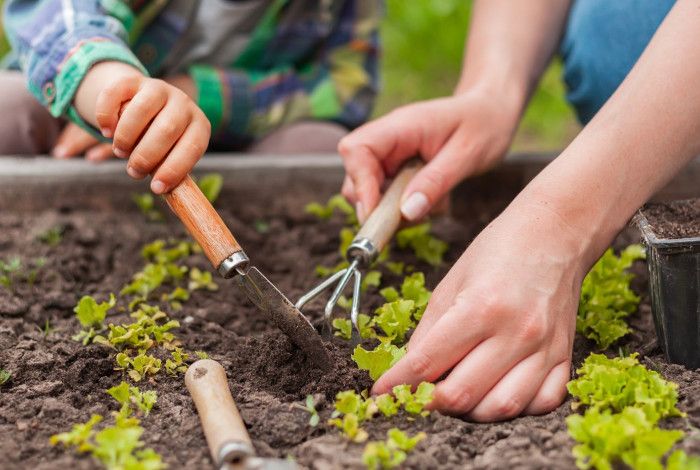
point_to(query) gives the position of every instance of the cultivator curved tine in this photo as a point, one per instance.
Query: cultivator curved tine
(355, 337)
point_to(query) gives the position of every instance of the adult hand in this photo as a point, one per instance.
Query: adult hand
(458, 136)
(501, 324)
(74, 141)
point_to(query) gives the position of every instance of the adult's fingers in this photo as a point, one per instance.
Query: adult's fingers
(552, 392)
(160, 137)
(513, 393)
(72, 141)
(137, 115)
(99, 153)
(436, 179)
(348, 190)
(109, 102)
(367, 177)
(182, 158)
(447, 342)
(476, 374)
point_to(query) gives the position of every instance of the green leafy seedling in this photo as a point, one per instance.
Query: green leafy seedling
(424, 245)
(201, 280)
(8, 270)
(91, 316)
(53, 236)
(310, 407)
(146, 204)
(79, 435)
(378, 360)
(4, 376)
(211, 185)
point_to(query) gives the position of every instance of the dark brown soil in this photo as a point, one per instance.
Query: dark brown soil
(57, 382)
(677, 219)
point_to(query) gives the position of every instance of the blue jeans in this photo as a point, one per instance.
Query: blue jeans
(603, 40)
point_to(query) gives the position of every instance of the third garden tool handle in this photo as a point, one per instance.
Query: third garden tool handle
(223, 426)
(203, 222)
(385, 219)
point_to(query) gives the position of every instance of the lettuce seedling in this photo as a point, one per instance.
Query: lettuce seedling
(392, 452)
(79, 436)
(387, 404)
(146, 204)
(607, 299)
(128, 396)
(91, 316)
(614, 384)
(120, 447)
(201, 355)
(336, 202)
(176, 362)
(414, 403)
(52, 237)
(138, 367)
(378, 360)
(4, 376)
(211, 185)
(8, 270)
(424, 245)
(396, 319)
(310, 407)
(201, 280)
(343, 327)
(606, 439)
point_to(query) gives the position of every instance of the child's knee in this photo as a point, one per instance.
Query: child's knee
(26, 127)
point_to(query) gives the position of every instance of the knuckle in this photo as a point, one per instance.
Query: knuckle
(435, 179)
(507, 408)
(533, 330)
(453, 399)
(196, 147)
(421, 365)
(169, 129)
(141, 162)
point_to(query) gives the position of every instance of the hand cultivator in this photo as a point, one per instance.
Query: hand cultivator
(376, 232)
(229, 443)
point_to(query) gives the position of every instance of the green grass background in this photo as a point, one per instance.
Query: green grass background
(423, 43)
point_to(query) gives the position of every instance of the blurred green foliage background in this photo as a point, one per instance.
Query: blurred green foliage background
(423, 42)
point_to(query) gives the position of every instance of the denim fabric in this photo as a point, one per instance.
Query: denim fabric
(603, 40)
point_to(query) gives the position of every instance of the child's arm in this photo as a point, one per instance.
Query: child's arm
(151, 122)
(338, 83)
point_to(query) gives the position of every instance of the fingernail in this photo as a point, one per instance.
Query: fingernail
(415, 206)
(360, 211)
(134, 173)
(157, 186)
(120, 153)
(60, 152)
(107, 133)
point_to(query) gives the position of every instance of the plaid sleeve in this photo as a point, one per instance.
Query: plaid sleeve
(338, 84)
(57, 41)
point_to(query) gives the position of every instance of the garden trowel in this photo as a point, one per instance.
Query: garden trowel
(229, 443)
(223, 251)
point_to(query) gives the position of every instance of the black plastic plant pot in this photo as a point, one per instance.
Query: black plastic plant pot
(674, 284)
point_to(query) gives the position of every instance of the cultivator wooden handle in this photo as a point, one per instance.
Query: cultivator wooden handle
(386, 217)
(223, 426)
(202, 221)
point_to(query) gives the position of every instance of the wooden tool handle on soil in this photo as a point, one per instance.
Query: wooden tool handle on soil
(202, 221)
(386, 217)
(221, 421)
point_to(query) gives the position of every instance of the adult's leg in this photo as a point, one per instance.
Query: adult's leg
(301, 137)
(25, 126)
(603, 40)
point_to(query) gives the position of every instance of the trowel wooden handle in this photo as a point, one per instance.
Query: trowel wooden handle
(222, 424)
(202, 221)
(386, 217)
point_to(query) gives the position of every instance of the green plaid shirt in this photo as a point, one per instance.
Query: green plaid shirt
(303, 59)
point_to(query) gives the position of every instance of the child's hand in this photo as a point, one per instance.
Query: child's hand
(153, 124)
(74, 141)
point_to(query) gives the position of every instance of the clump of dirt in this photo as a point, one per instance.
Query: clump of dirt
(676, 219)
(57, 382)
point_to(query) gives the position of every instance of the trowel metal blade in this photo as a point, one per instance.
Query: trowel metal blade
(285, 315)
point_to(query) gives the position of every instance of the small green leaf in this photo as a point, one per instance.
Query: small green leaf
(378, 360)
(211, 185)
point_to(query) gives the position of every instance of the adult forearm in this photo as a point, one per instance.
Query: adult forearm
(510, 44)
(646, 132)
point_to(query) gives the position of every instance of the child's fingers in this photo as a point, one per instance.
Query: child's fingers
(182, 158)
(109, 102)
(99, 153)
(160, 137)
(142, 108)
(72, 141)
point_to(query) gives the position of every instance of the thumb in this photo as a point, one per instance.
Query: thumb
(434, 181)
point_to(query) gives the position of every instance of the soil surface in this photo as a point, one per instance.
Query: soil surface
(57, 382)
(677, 219)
